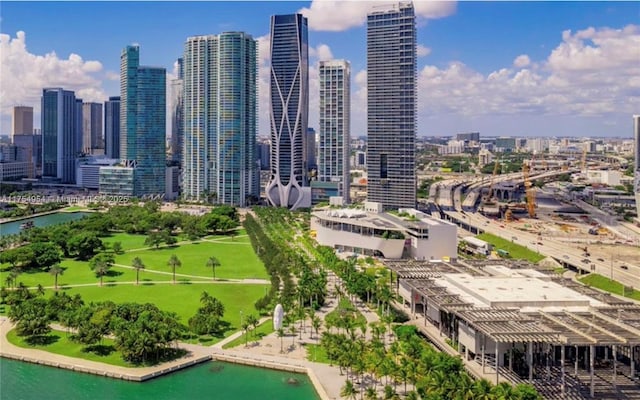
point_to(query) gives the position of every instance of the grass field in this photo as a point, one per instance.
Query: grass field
(183, 299)
(127, 241)
(78, 272)
(237, 259)
(515, 250)
(316, 353)
(608, 285)
(264, 329)
(61, 344)
(345, 307)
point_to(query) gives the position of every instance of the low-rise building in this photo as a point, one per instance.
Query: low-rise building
(408, 233)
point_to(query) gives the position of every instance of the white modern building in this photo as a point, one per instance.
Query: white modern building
(406, 234)
(88, 171)
(334, 133)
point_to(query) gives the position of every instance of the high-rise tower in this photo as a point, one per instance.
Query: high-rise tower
(91, 127)
(60, 133)
(177, 114)
(391, 105)
(289, 75)
(22, 121)
(143, 122)
(112, 127)
(220, 118)
(335, 120)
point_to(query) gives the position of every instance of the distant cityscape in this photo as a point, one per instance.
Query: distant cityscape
(212, 152)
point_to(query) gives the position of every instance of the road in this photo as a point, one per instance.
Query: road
(564, 253)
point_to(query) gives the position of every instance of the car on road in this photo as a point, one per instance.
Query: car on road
(601, 259)
(624, 267)
(585, 260)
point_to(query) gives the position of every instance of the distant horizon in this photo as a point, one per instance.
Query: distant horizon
(570, 68)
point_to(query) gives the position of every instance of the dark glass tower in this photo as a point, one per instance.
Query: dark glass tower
(112, 127)
(391, 105)
(60, 134)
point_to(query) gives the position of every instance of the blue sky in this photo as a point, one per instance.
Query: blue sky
(503, 68)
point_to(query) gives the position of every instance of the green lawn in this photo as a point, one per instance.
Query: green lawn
(128, 241)
(237, 259)
(608, 285)
(317, 353)
(183, 299)
(61, 344)
(515, 250)
(264, 329)
(78, 272)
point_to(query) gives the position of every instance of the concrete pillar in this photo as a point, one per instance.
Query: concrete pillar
(511, 358)
(497, 365)
(632, 354)
(482, 352)
(562, 377)
(606, 353)
(530, 360)
(548, 357)
(576, 363)
(615, 365)
(424, 309)
(592, 354)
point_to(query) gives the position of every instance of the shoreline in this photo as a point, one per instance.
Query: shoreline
(197, 355)
(42, 214)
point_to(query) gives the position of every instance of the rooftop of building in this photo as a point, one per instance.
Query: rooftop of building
(406, 219)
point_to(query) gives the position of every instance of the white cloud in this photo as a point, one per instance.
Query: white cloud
(339, 15)
(112, 76)
(422, 51)
(23, 75)
(521, 61)
(322, 52)
(590, 73)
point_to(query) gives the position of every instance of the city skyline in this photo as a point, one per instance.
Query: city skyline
(571, 75)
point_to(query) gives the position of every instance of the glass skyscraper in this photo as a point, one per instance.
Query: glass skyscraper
(335, 120)
(112, 127)
(289, 112)
(220, 161)
(91, 127)
(60, 133)
(391, 105)
(143, 122)
(177, 114)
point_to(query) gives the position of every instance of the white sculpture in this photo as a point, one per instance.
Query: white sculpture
(278, 316)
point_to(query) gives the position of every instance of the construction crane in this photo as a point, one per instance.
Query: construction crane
(528, 188)
(489, 195)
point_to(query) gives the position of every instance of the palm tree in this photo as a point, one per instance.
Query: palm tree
(138, 265)
(40, 289)
(55, 271)
(281, 336)
(370, 393)
(348, 390)
(253, 321)
(212, 263)
(316, 323)
(101, 269)
(174, 262)
(245, 328)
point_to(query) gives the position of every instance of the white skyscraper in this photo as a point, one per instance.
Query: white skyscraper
(220, 160)
(335, 120)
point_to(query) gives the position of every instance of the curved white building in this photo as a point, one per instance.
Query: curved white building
(289, 112)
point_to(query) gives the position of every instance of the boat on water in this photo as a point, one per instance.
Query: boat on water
(27, 225)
